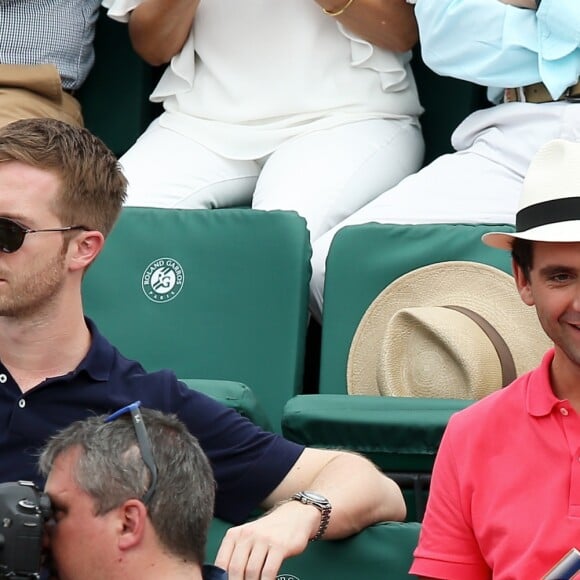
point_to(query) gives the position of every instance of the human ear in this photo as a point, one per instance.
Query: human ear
(523, 284)
(133, 519)
(84, 248)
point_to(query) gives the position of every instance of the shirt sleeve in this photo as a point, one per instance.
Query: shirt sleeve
(120, 9)
(447, 545)
(494, 44)
(248, 463)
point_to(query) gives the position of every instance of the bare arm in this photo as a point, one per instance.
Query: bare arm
(388, 24)
(359, 494)
(159, 28)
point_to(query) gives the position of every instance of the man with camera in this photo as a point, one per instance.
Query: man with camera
(61, 191)
(132, 498)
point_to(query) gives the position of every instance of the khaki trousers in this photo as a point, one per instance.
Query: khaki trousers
(35, 91)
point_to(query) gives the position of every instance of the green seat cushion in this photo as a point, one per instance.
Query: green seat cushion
(398, 434)
(383, 551)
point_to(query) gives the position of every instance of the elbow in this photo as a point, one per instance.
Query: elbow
(406, 40)
(398, 505)
(404, 44)
(151, 54)
(154, 59)
(403, 41)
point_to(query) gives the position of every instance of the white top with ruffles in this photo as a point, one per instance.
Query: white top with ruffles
(254, 73)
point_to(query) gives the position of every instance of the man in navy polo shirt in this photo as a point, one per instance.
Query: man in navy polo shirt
(61, 191)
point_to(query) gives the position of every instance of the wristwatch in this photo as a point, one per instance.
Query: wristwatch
(320, 503)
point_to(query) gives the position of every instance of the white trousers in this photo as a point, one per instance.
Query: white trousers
(325, 175)
(479, 183)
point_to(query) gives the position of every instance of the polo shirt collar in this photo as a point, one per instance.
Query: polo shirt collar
(100, 358)
(540, 397)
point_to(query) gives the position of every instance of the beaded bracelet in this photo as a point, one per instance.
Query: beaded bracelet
(339, 11)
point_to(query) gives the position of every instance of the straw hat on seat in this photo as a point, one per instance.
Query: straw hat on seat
(447, 330)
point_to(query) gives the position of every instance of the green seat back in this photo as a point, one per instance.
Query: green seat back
(447, 102)
(115, 96)
(364, 259)
(210, 294)
(383, 551)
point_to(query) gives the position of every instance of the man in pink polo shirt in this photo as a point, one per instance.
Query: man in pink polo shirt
(505, 493)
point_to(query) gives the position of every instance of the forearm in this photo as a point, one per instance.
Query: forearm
(388, 24)
(359, 493)
(159, 28)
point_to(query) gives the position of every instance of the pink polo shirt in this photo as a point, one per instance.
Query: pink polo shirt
(505, 494)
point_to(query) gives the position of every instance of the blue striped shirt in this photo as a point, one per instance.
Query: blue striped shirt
(58, 32)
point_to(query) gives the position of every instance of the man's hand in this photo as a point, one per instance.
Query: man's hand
(531, 4)
(256, 550)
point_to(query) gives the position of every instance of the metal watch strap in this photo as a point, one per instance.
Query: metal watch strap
(321, 504)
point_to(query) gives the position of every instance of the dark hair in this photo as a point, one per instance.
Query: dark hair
(111, 470)
(523, 255)
(93, 185)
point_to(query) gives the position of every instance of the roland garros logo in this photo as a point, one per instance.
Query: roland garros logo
(163, 280)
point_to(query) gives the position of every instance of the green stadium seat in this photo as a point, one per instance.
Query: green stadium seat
(383, 551)
(401, 435)
(447, 101)
(210, 294)
(115, 97)
(364, 259)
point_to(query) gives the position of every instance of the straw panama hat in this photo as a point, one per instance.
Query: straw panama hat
(549, 207)
(412, 342)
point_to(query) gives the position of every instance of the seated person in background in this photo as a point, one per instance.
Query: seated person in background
(132, 498)
(505, 492)
(497, 44)
(46, 53)
(305, 105)
(61, 191)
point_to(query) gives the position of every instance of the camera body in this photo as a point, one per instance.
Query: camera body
(24, 511)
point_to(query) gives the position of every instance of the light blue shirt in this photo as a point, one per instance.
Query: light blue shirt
(500, 46)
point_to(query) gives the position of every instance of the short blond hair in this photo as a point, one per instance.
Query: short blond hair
(93, 185)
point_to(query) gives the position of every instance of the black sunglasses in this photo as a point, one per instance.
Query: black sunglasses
(12, 234)
(144, 444)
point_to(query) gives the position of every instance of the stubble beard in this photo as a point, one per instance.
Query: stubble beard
(33, 292)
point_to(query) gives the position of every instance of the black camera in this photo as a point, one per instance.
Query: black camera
(24, 511)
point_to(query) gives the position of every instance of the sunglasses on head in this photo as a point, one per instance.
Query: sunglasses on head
(12, 234)
(143, 441)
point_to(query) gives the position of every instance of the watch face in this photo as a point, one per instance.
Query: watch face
(314, 496)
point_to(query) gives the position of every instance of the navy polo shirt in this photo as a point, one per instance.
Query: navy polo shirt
(248, 462)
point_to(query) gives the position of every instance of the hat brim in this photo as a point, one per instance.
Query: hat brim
(489, 292)
(568, 231)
